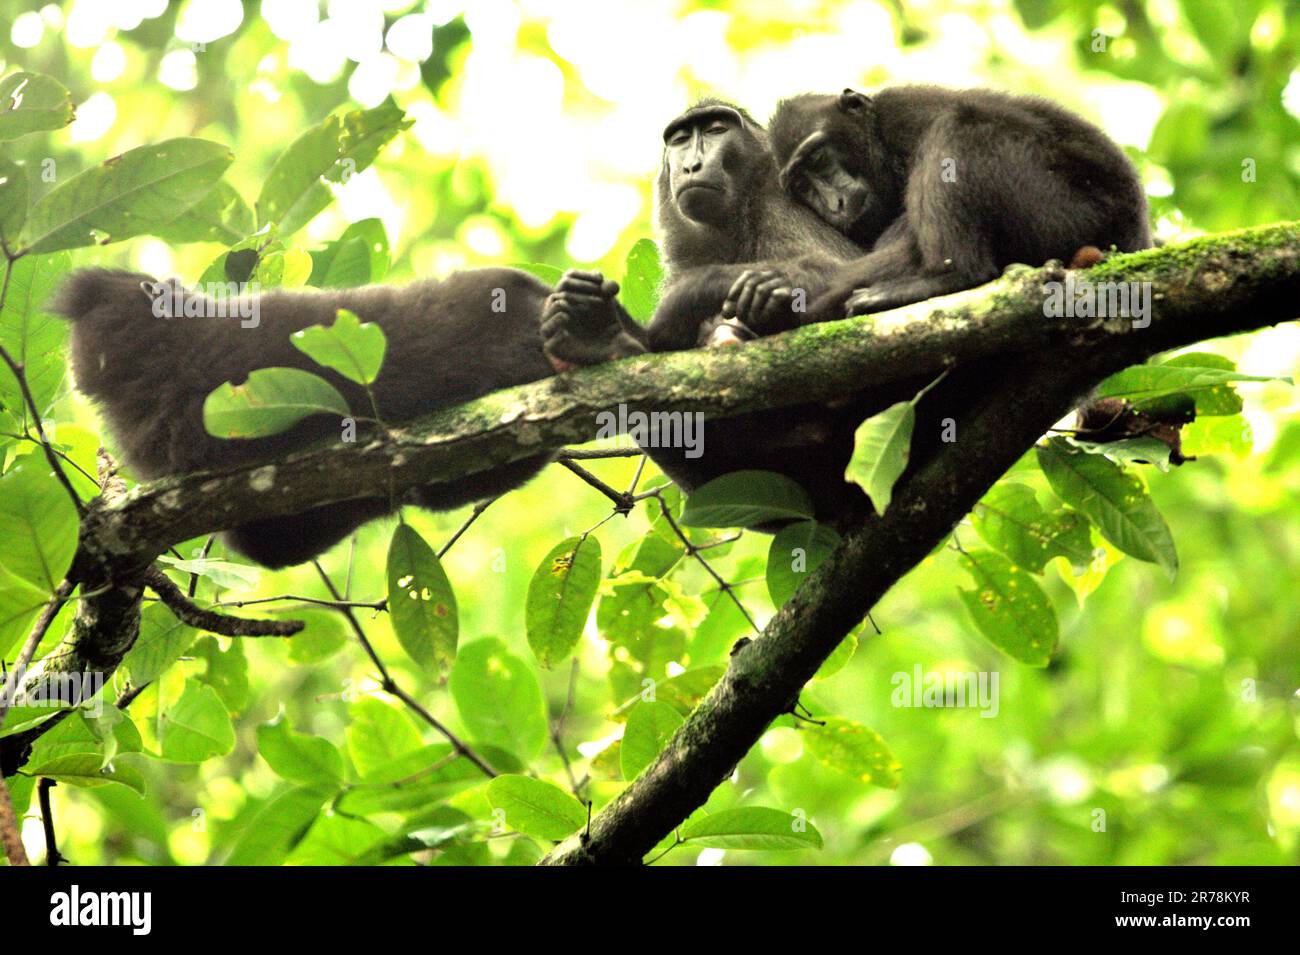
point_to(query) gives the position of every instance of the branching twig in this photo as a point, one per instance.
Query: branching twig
(390, 685)
(197, 617)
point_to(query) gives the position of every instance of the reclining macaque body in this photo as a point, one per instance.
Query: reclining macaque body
(448, 341)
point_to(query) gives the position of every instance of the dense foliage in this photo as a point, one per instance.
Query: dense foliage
(1126, 628)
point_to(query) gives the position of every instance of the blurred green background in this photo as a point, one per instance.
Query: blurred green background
(1170, 714)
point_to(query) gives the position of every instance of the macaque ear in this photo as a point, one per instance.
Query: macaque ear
(852, 101)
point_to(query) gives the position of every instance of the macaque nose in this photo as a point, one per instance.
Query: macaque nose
(839, 203)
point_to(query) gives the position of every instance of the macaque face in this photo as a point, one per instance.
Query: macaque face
(817, 177)
(704, 154)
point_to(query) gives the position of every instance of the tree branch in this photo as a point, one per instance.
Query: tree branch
(1213, 286)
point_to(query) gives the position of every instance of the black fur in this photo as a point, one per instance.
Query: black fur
(446, 344)
(1032, 182)
(753, 226)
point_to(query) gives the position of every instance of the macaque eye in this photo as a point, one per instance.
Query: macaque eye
(679, 137)
(718, 129)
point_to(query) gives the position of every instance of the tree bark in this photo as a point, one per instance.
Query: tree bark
(1213, 286)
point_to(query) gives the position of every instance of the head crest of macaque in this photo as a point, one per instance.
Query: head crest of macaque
(852, 101)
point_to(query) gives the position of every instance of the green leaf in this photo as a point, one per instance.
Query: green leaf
(125, 196)
(221, 216)
(31, 103)
(1130, 450)
(1144, 384)
(272, 400)
(38, 524)
(746, 498)
(20, 602)
(421, 602)
(358, 257)
(1010, 519)
(13, 201)
(560, 597)
(650, 725)
(295, 191)
(378, 735)
(499, 698)
(1009, 608)
(365, 133)
(226, 671)
(839, 657)
(642, 279)
(881, 447)
(536, 808)
(298, 757)
(797, 550)
(853, 749)
(33, 337)
(353, 349)
(278, 825)
(161, 642)
(321, 638)
(223, 573)
(83, 754)
(752, 827)
(196, 728)
(337, 840)
(1116, 501)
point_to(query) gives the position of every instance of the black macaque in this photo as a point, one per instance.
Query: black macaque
(741, 258)
(949, 187)
(448, 341)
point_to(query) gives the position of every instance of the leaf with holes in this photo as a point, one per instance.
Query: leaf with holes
(421, 602)
(560, 597)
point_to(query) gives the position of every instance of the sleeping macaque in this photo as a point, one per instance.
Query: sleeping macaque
(448, 341)
(742, 258)
(949, 187)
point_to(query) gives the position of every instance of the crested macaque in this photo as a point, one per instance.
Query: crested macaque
(949, 187)
(448, 341)
(741, 258)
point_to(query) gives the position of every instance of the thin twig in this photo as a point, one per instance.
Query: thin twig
(623, 503)
(390, 685)
(52, 856)
(42, 624)
(194, 578)
(576, 454)
(694, 551)
(557, 731)
(187, 611)
(479, 508)
(314, 601)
